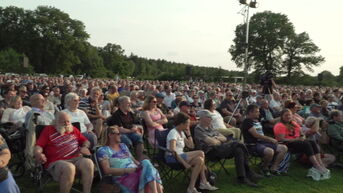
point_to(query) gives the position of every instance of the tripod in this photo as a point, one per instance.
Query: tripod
(245, 95)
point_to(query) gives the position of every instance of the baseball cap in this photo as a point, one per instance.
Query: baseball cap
(159, 95)
(204, 113)
(184, 103)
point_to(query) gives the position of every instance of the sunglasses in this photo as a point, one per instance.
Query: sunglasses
(154, 101)
(114, 133)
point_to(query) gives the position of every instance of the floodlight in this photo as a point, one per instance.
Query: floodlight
(253, 4)
(245, 2)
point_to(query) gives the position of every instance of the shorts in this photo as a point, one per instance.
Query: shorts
(54, 168)
(259, 147)
(172, 160)
(131, 139)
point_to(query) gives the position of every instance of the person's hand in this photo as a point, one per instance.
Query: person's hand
(187, 166)
(130, 170)
(301, 139)
(85, 151)
(273, 141)
(134, 130)
(41, 158)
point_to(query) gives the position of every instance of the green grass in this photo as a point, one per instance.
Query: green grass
(296, 181)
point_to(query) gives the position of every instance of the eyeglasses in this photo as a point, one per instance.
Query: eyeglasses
(154, 101)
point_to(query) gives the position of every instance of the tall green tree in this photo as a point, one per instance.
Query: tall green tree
(11, 61)
(48, 36)
(115, 60)
(268, 33)
(300, 52)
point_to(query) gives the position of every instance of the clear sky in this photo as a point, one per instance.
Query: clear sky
(197, 32)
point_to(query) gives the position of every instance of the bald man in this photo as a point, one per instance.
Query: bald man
(37, 116)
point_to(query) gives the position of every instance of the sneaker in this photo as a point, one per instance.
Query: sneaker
(207, 186)
(266, 173)
(275, 173)
(194, 190)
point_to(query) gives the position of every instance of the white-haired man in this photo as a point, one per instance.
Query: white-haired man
(60, 148)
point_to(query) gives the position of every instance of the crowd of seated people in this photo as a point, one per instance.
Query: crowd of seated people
(121, 114)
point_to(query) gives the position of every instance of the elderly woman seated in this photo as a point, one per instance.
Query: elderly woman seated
(16, 113)
(131, 176)
(72, 101)
(218, 121)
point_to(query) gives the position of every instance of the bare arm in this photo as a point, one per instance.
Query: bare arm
(283, 139)
(254, 133)
(189, 139)
(105, 165)
(39, 155)
(177, 157)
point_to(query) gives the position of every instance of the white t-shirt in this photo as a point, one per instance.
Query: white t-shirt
(15, 115)
(168, 99)
(78, 116)
(180, 140)
(217, 121)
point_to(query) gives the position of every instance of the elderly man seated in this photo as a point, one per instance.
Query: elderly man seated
(216, 146)
(131, 132)
(60, 148)
(37, 116)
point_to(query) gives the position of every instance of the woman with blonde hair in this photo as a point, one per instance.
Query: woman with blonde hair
(129, 174)
(16, 112)
(153, 117)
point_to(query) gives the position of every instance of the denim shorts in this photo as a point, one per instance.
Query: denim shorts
(171, 159)
(261, 146)
(131, 139)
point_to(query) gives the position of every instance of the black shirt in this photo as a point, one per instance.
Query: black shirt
(122, 120)
(246, 125)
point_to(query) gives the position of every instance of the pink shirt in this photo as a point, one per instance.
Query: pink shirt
(281, 129)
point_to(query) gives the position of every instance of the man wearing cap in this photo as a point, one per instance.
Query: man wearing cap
(216, 146)
(315, 111)
(185, 107)
(22, 92)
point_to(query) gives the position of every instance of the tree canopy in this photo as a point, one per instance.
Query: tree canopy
(274, 46)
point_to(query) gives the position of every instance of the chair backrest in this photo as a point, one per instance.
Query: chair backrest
(39, 128)
(77, 125)
(97, 162)
(161, 141)
(104, 178)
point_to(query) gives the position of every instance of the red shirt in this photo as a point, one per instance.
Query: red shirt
(281, 128)
(60, 147)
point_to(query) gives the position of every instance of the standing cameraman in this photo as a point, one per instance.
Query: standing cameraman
(268, 84)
